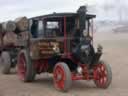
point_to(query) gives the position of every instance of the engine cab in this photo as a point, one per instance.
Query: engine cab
(63, 35)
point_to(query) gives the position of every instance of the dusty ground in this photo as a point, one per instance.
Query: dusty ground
(115, 53)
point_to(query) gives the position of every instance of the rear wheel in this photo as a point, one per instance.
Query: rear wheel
(103, 75)
(6, 62)
(25, 67)
(62, 77)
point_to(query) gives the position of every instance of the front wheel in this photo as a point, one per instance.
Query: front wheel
(62, 77)
(26, 71)
(102, 75)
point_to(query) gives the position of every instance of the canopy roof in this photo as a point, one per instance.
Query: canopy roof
(60, 15)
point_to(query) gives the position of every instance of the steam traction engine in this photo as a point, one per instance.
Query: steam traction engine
(61, 44)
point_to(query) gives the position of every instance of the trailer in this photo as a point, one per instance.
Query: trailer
(11, 40)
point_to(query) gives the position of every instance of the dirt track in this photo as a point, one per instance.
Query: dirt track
(115, 53)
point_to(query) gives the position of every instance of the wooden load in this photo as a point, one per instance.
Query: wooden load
(22, 24)
(9, 26)
(15, 33)
(23, 37)
(10, 38)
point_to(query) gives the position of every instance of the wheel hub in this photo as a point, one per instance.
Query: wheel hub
(59, 77)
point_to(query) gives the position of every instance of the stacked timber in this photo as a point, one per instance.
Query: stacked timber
(23, 38)
(25, 35)
(22, 24)
(10, 38)
(9, 26)
(14, 32)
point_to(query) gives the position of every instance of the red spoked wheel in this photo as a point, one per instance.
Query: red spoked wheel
(25, 67)
(62, 77)
(102, 75)
(21, 66)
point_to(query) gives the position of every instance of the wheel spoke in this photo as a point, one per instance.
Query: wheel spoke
(22, 66)
(61, 84)
(105, 79)
(105, 73)
(102, 68)
(101, 81)
(61, 78)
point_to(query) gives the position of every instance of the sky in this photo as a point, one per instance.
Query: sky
(11, 9)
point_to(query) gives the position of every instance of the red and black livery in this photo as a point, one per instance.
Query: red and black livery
(62, 44)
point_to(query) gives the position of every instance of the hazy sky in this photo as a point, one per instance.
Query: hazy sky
(11, 9)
